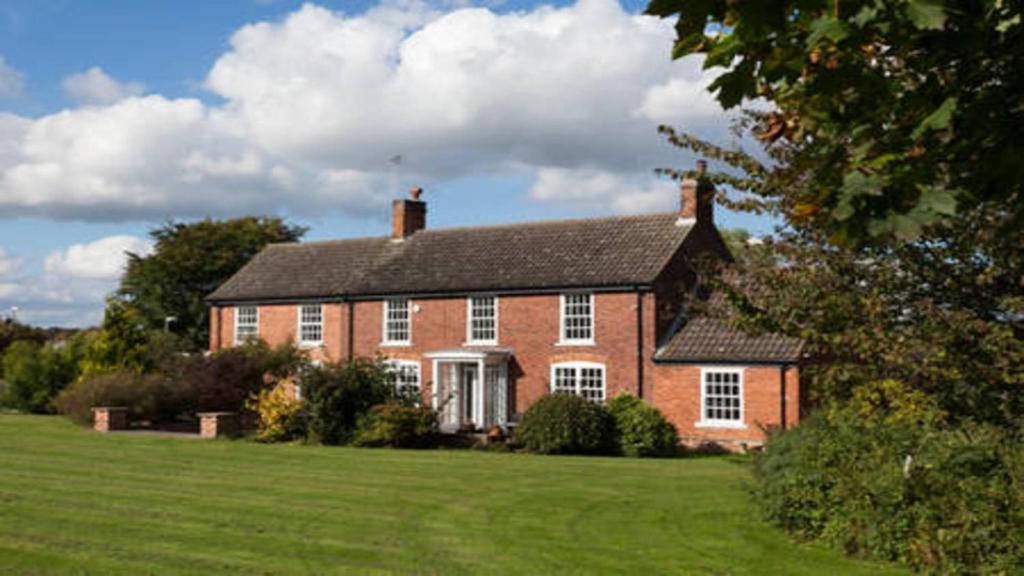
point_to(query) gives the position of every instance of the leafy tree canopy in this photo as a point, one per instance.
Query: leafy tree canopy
(887, 116)
(188, 263)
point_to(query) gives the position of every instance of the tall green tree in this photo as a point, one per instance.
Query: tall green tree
(189, 261)
(892, 114)
(942, 315)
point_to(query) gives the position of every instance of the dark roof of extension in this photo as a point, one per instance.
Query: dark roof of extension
(620, 251)
(707, 340)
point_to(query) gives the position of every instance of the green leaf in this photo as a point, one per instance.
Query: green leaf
(732, 87)
(827, 27)
(927, 14)
(940, 119)
(938, 201)
(857, 183)
(723, 51)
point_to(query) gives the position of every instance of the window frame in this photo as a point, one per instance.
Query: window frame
(563, 340)
(397, 364)
(238, 315)
(706, 422)
(385, 314)
(469, 320)
(578, 366)
(300, 323)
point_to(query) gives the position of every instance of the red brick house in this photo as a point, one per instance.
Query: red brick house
(486, 320)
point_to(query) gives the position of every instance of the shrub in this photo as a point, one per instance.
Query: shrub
(338, 394)
(150, 397)
(641, 430)
(36, 373)
(225, 380)
(565, 424)
(397, 425)
(281, 416)
(946, 500)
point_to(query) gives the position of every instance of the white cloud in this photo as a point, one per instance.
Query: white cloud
(621, 193)
(94, 86)
(103, 259)
(11, 83)
(314, 105)
(7, 264)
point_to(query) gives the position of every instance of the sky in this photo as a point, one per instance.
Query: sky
(117, 116)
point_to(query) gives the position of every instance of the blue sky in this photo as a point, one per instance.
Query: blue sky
(116, 116)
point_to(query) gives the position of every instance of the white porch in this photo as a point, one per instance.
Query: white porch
(470, 387)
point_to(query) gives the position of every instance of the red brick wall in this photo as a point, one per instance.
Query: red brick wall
(529, 325)
(677, 394)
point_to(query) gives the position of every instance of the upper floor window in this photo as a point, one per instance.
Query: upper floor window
(584, 379)
(578, 318)
(483, 320)
(311, 324)
(247, 323)
(406, 375)
(721, 397)
(397, 326)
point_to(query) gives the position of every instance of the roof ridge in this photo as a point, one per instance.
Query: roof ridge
(530, 224)
(540, 223)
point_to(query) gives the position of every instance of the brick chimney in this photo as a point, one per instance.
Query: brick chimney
(408, 216)
(697, 197)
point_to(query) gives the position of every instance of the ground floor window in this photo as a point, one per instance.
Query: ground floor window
(721, 397)
(406, 374)
(584, 379)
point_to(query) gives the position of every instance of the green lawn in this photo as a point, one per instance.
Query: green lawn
(77, 502)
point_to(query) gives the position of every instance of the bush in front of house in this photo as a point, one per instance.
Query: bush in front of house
(942, 499)
(397, 425)
(338, 394)
(281, 416)
(641, 430)
(152, 397)
(566, 424)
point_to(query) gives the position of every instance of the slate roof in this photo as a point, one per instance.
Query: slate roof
(705, 340)
(591, 253)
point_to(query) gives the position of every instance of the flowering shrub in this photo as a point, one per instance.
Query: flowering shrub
(281, 416)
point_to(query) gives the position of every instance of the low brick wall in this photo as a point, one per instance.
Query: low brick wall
(108, 418)
(218, 424)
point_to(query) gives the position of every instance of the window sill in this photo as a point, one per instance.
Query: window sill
(395, 344)
(575, 343)
(481, 343)
(723, 425)
(310, 345)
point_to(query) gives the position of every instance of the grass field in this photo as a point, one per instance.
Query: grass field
(77, 502)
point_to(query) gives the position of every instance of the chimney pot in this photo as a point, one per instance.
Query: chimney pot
(415, 192)
(702, 166)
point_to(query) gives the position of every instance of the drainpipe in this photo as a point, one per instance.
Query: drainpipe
(782, 395)
(639, 344)
(351, 328)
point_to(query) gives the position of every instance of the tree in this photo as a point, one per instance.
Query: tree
(35, 372)
(12, 331)
(890, 115)
(189, 262)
